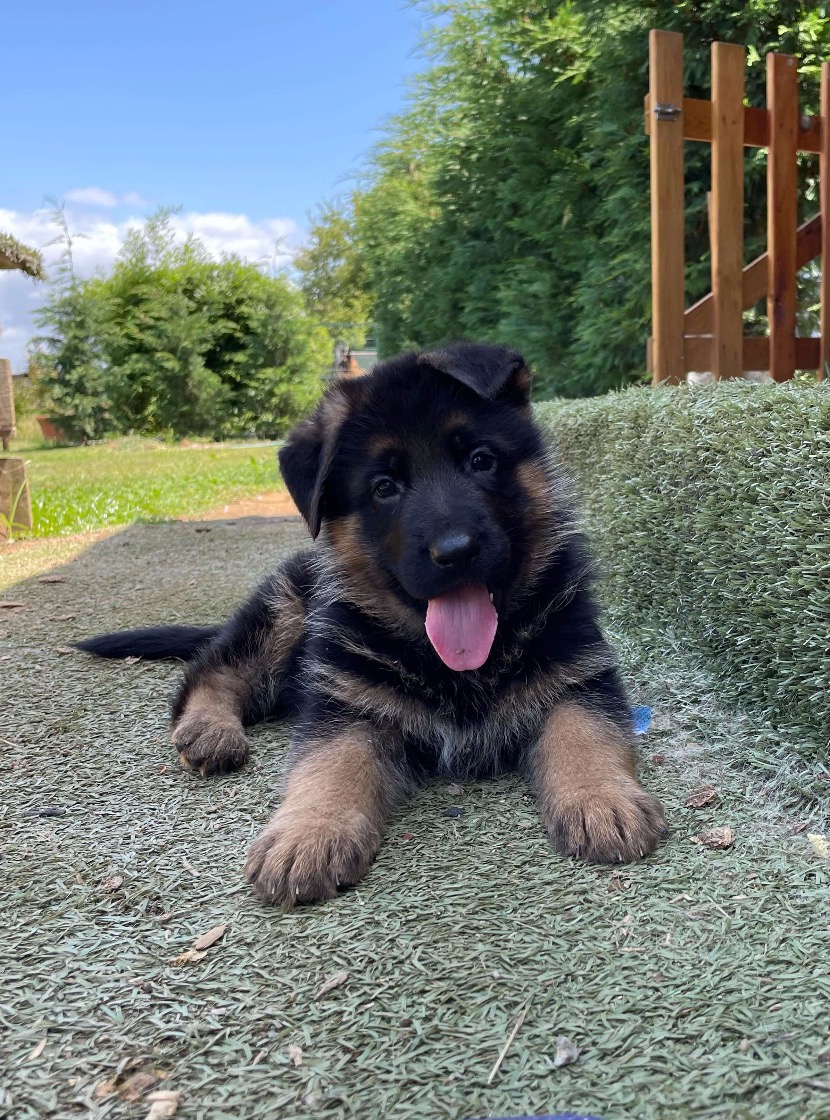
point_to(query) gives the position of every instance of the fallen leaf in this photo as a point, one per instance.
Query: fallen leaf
(258, 1057)
(132, 661)
(38, 1050)
(105, 1089)
(332, 983)
(658, 759)
(619, 881)
(52, 579)
(210, 938)
(190, 956)
(407, 836)
(113, 883)
(566, 1052)
(719, 838)
(455, 790)
(134, 1088)
(819, 844)
(10, 604)
(699, 798)
(163, 1104)
(164, 917)
(295, 1053)
(3, 635)
(61, 617)
(64, 649)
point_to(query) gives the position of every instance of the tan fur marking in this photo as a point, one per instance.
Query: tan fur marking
(330, 825)
(209, 734)
(363, 584)
(283, 637)
(591, 802)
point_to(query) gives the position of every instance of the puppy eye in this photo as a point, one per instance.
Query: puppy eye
(482, 460)
(385, 488)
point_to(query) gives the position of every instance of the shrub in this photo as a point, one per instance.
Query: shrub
(708, 508)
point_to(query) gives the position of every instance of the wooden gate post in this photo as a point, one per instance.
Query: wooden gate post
(727, 208)
(782, 211)
(667, 207)
(824, 182)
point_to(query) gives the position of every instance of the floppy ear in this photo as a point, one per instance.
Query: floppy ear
(308, 453)
(494, 372)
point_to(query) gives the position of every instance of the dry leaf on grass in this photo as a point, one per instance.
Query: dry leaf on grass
(190, 956)
(702, 797)
(38, 1050)
(134, 1088)
(719, 838)
(566, 1052)
(64, 649)
(61, 617)
(332, 983)
(295, 1053)
(10, 604)
(819, 845)
(132, 661)
(163, 1104)
(113, 883)
(455, 790)
(210, 938)
(52, 579)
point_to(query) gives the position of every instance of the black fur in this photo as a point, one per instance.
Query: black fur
(155, 643)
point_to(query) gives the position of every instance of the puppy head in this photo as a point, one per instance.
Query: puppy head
(419, 473)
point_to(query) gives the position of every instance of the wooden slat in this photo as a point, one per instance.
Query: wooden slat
(824, 179)
(699, 349)
(667, 217)
(699, 317)
(782, 197)
(697, 117)
(15, 501)
(727, 206)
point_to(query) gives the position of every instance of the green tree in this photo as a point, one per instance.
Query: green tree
(174, 342)
(333, 274)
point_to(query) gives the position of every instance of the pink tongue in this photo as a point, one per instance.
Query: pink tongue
(461, 626)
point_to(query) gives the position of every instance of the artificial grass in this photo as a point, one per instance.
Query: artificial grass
(692, 982)
(78, 489)
(708, 508)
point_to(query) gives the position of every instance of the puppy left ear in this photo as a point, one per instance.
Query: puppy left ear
(494, 372)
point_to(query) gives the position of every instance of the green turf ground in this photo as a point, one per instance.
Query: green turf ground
(77, 489)
(694, 984)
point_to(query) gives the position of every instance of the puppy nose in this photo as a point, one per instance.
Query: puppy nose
(453, 549)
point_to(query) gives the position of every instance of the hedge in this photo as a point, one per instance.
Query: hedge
(709, 509)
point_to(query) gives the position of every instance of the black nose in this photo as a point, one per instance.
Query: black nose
(453, 549)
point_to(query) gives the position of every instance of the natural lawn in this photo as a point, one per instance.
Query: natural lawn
(78, 489)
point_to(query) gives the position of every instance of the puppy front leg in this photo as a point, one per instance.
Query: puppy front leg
(243, 676)
(590, 800)
(341, 787)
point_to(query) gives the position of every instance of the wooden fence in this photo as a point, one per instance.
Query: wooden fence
(709, 335)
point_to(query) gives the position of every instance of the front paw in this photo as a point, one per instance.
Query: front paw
(210, 745)
(302, 858)
(612, 823)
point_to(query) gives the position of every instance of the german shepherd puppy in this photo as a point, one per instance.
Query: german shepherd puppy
(442, 625)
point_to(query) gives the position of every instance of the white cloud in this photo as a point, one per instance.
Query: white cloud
(98, 238)
(98, 197)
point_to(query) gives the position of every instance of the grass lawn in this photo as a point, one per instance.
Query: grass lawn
(77, 489)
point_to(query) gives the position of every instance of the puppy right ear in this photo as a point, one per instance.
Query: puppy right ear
(307, 456)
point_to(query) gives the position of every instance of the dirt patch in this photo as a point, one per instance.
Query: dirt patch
(276, 503)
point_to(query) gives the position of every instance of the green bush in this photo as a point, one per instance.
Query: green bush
(173, 342)
(709, 509)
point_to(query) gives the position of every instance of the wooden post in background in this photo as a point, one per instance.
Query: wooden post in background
(782, 211)
(727, 207)
(667, 213)
(7, 418)
(824, 181)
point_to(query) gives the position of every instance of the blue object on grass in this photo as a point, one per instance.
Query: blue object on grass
(642, 719)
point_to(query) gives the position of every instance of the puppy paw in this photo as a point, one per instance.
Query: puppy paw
(210, 745)
(301, 857)
(617, 823)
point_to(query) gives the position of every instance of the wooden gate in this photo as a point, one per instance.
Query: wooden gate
(709, 335)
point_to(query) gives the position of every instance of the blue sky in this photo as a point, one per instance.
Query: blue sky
(245, 114)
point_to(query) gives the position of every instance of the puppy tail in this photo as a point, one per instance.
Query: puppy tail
(153, 643)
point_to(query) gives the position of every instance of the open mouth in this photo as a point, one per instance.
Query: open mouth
(461, 626)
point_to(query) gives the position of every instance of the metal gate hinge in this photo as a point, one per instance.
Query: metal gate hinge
(665, 112)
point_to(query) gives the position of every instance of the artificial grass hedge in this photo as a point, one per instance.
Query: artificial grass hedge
(709, 508)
